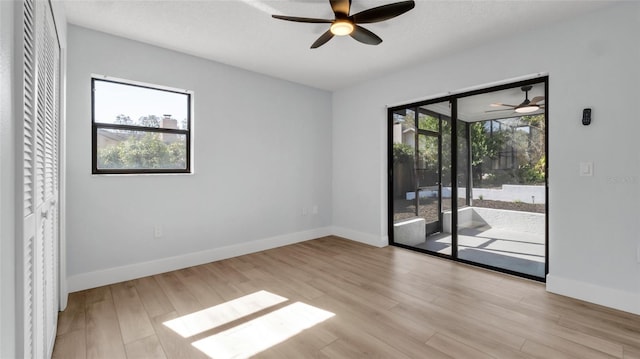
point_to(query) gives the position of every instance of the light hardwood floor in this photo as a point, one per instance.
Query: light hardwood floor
(354, 301)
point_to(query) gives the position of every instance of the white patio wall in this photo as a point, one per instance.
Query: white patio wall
(508, 193)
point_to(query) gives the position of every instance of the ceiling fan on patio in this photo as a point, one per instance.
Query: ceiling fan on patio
(526, 106)
(345, 24)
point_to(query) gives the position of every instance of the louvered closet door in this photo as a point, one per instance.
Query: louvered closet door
(40, 196)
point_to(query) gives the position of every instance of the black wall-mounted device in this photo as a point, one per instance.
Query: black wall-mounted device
(586, 116)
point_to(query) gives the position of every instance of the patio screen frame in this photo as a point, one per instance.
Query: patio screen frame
(453, 100)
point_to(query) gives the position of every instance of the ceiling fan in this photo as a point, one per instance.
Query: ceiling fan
(345, 24)
(526, 106)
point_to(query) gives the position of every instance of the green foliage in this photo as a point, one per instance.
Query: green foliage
(532, 174)
(144, 151)
(484, 146)
(428, 122)
(177, 154)
(402, 153)
(149, 121)
(521, 140)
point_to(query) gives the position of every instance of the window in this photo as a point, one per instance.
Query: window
(139, 128)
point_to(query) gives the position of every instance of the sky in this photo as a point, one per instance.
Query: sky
(113, 99)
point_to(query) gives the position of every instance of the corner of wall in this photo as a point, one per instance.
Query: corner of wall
(8, 317)
(366, 238)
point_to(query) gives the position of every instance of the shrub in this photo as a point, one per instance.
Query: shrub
(402, 153)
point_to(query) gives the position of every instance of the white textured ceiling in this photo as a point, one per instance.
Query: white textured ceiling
(242, 33)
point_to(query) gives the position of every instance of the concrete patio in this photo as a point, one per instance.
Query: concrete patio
(503, 239)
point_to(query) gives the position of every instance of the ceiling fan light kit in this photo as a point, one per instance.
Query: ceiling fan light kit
(345, 24)
(341, 27)
(527, 109)
(527, 106)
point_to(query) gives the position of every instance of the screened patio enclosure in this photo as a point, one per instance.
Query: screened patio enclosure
(492, 159)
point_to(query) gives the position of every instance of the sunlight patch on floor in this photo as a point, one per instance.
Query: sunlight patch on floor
(213, 317)
(259, 334)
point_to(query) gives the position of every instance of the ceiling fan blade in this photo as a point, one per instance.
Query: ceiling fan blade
(536, 99)
(322, 39)
(503, 104)
(302, 19)
(384, 12)
(341, 8)
(365, 36)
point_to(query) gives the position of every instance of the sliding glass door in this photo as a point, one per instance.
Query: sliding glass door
(491, 160)
(421, 162)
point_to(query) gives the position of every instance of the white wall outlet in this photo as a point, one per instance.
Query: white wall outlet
(586, 169)
(157, 231)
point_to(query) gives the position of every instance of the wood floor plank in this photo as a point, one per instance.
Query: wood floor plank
(226, 272)
(98, 294)
(523, 324)
(132, 317)
(309, 341)
(152, 297)
(625, 335)
(378, 325)
(145, 348)
(103, 331)
(631, 352)
(72, 318)
(467, 330)
(541, 351)
(354, 344)
(454, 348)
(71, 345)
(225, 290)
(173, 344)
(386, 303)
(180, 297)
(200, 290)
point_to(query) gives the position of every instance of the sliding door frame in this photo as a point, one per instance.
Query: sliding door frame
(453, 100)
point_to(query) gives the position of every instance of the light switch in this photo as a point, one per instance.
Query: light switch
(586, 169)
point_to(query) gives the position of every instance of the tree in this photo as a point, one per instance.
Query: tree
(123, 120)
(143, 151)
(177, 154)
(149, 121)
(531, 149)
(520, 139)
(147, 152)
(484, 146)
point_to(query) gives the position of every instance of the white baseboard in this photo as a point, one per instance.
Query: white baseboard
(138, 270)
(608, 297)
(366, 238)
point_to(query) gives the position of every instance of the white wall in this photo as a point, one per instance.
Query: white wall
(262, 153)
(592, 61)
(7, 183)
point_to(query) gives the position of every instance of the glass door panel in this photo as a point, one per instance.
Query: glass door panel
(428, 173)
(420, 163)
(502, 175)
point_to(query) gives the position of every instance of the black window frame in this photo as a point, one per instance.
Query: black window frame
(96, 126)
